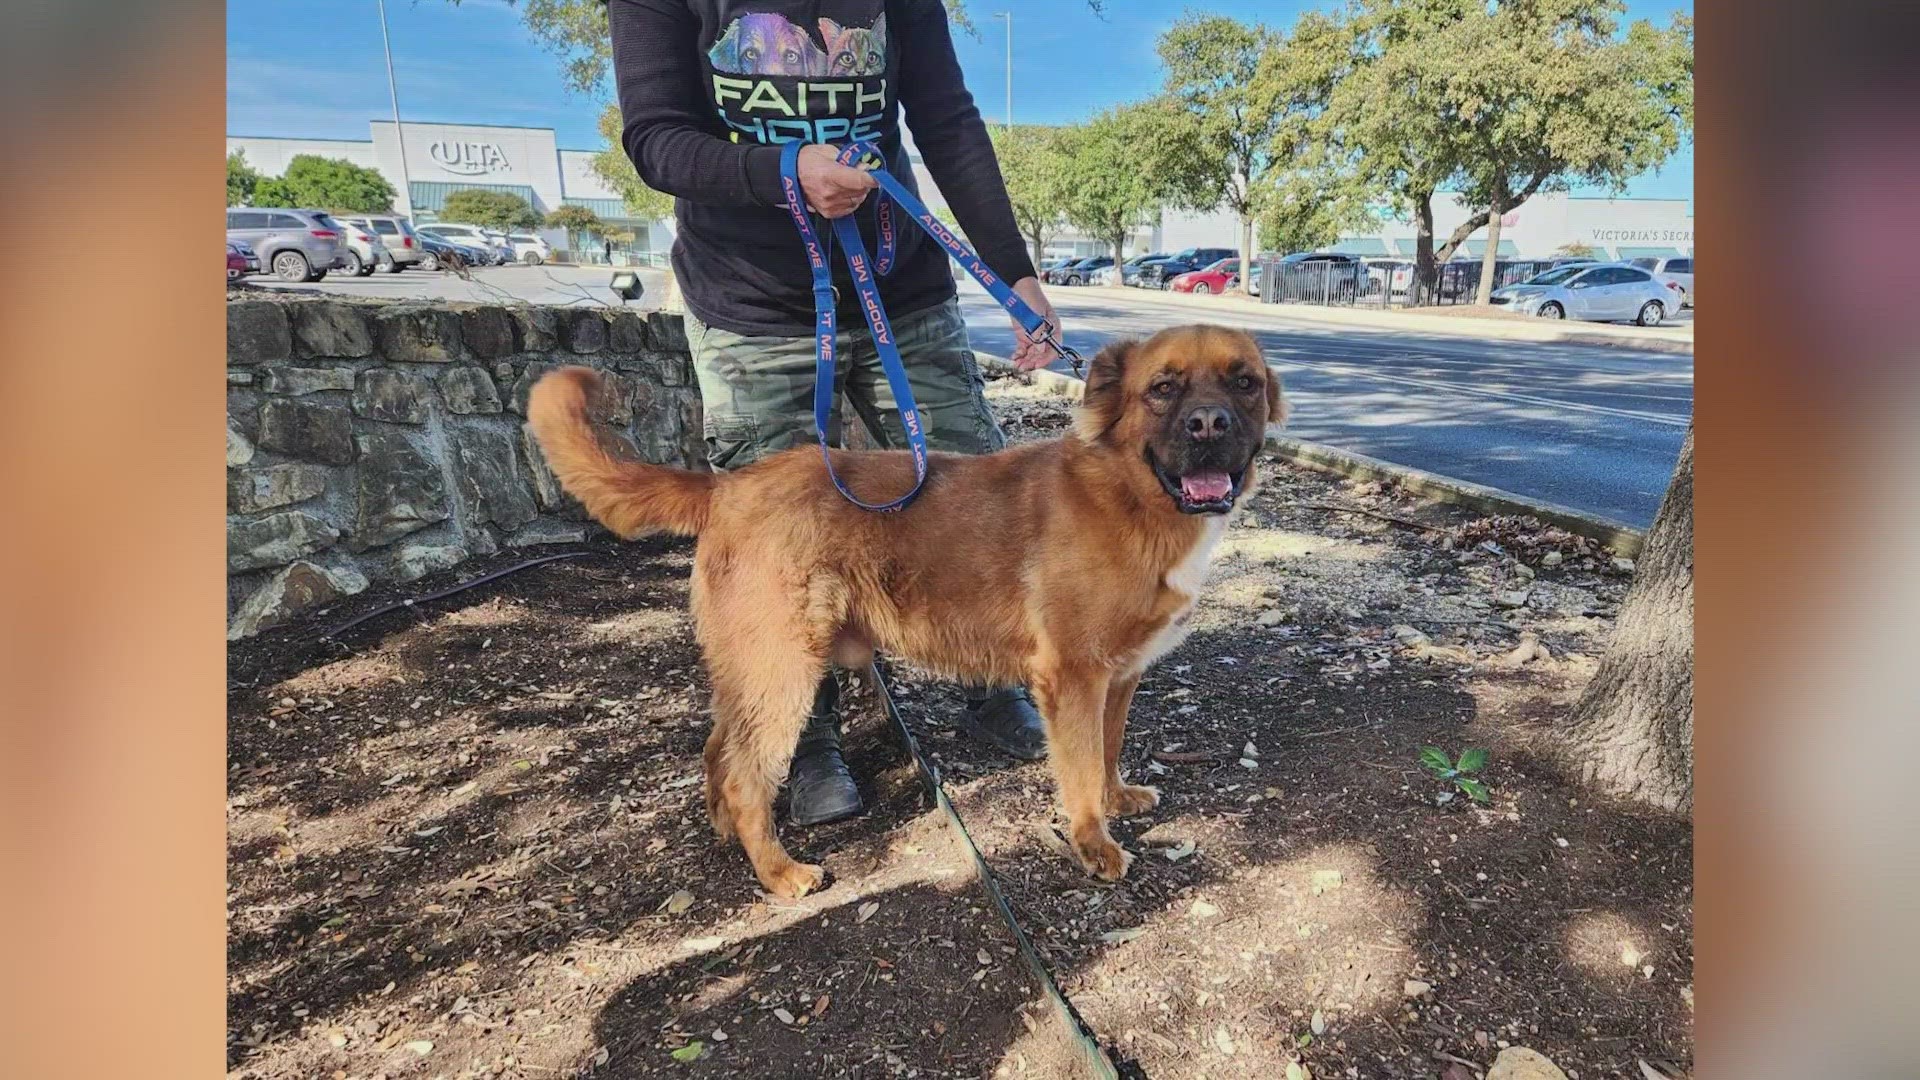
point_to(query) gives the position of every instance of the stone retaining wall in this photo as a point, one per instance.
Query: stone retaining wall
(373, 441)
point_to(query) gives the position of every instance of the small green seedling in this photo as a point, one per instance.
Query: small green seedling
(1472, 760)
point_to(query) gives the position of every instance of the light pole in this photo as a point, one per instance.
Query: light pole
(1008, 15)
(406, 185)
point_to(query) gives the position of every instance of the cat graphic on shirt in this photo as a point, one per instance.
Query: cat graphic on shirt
(855, 50)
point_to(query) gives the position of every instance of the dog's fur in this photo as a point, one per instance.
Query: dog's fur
(1069, 565)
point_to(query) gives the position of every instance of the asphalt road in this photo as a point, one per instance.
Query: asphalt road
(1594, 428)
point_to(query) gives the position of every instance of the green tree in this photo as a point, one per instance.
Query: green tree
(1109, 194)
(1576, 250)
(1224, 111)
(500, 210)
(575, 219)
(1558, 96)
(1034, 166)
(616, 170)
(1385, 121)
(326, 184)
(242, 179)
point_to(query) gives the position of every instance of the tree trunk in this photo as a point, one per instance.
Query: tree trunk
(1484, 295)
(1632, 731)
(1424, 271)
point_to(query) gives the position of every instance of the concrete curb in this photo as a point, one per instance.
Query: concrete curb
(1544, 333)
(1622, 539)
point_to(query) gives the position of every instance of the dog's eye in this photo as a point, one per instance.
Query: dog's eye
(1244, 382)
(1163, 388)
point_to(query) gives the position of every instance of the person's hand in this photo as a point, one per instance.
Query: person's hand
(1030, 352)
(833, 190)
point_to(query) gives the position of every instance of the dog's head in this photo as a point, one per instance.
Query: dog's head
(1190, 405)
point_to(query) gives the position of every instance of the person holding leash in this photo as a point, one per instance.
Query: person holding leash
(710, 92)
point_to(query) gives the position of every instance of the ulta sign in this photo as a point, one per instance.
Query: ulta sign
(467, 158)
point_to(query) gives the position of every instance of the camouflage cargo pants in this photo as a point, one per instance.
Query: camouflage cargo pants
(757, 392)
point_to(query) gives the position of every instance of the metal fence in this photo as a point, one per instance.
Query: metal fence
(1385, 283)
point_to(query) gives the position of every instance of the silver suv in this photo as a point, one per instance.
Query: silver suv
(294, 245)
(1673, 271)
(397, 234)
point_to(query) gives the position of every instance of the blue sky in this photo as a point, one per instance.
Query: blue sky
(313, 68)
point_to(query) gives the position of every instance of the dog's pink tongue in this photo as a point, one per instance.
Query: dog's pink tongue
(1206, 486)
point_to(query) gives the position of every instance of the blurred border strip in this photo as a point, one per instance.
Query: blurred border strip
(111, 572)
(1809, 437)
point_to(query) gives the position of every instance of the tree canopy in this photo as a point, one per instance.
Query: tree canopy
(576, 219)
(242, 178)
(1108, 194)
(500, 210)
(1034, 164)
(616, 170)
(321, 183)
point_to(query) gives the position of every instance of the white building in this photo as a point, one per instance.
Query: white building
(443, 158)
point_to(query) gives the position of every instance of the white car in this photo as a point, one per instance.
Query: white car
(365, 251)
(530, 248)
(472, 236)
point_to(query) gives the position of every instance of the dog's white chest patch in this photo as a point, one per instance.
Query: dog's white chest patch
(1185, 578)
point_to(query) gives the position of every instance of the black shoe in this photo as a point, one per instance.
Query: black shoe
(820, 786)
(1006, 719)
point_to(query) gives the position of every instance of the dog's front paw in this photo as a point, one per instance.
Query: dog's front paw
(793, 880)
(1126, 800)
(1101, 857)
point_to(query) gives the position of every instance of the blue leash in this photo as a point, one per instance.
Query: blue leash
(864, 271)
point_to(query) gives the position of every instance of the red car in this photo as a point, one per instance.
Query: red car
(1217, 278)
(240, 261)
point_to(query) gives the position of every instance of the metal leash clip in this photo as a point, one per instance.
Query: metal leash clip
(1071, 354)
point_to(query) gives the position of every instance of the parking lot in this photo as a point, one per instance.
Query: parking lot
(548, 284)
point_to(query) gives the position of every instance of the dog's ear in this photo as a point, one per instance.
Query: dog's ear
(1105, 399)
(1277, 407)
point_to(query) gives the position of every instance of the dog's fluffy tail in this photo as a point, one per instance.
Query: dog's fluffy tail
(630, 497)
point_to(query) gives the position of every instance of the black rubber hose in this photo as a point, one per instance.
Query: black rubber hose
(462, 587)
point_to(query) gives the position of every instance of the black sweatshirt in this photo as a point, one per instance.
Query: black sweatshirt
(709, 89)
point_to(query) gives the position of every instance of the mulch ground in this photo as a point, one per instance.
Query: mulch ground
(466, 837)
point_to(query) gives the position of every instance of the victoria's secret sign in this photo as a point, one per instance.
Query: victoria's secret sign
(1670, 236)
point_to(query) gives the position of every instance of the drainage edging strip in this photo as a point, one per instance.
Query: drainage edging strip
(1098, 1062)
(1624, 540)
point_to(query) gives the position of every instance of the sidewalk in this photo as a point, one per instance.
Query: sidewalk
(1674, 338)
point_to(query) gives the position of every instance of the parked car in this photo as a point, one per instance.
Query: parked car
(433, 250)
(365, 252)
(1049, 265)
(1601, 292)
(472, 236)
(529, 248)
(501, 247)
(296, 245)
(396, 232)
(1321, 277)
(240, 261)
(1215, 278)
(1156, 275)
(1128, 273)
(1079, 273)
(1673, 271)
(1392, 274)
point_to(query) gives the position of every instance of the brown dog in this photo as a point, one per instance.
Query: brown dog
(1069, 565)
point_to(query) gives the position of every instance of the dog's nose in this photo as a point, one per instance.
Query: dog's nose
(1209, 422)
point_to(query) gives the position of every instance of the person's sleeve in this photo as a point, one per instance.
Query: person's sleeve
(657, 69)
(953, 140)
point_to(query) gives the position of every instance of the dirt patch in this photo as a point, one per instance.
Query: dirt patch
(467, 839)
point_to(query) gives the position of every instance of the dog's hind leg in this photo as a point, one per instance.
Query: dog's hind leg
(760, 703)
(1071, 701)
(1122, 799)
